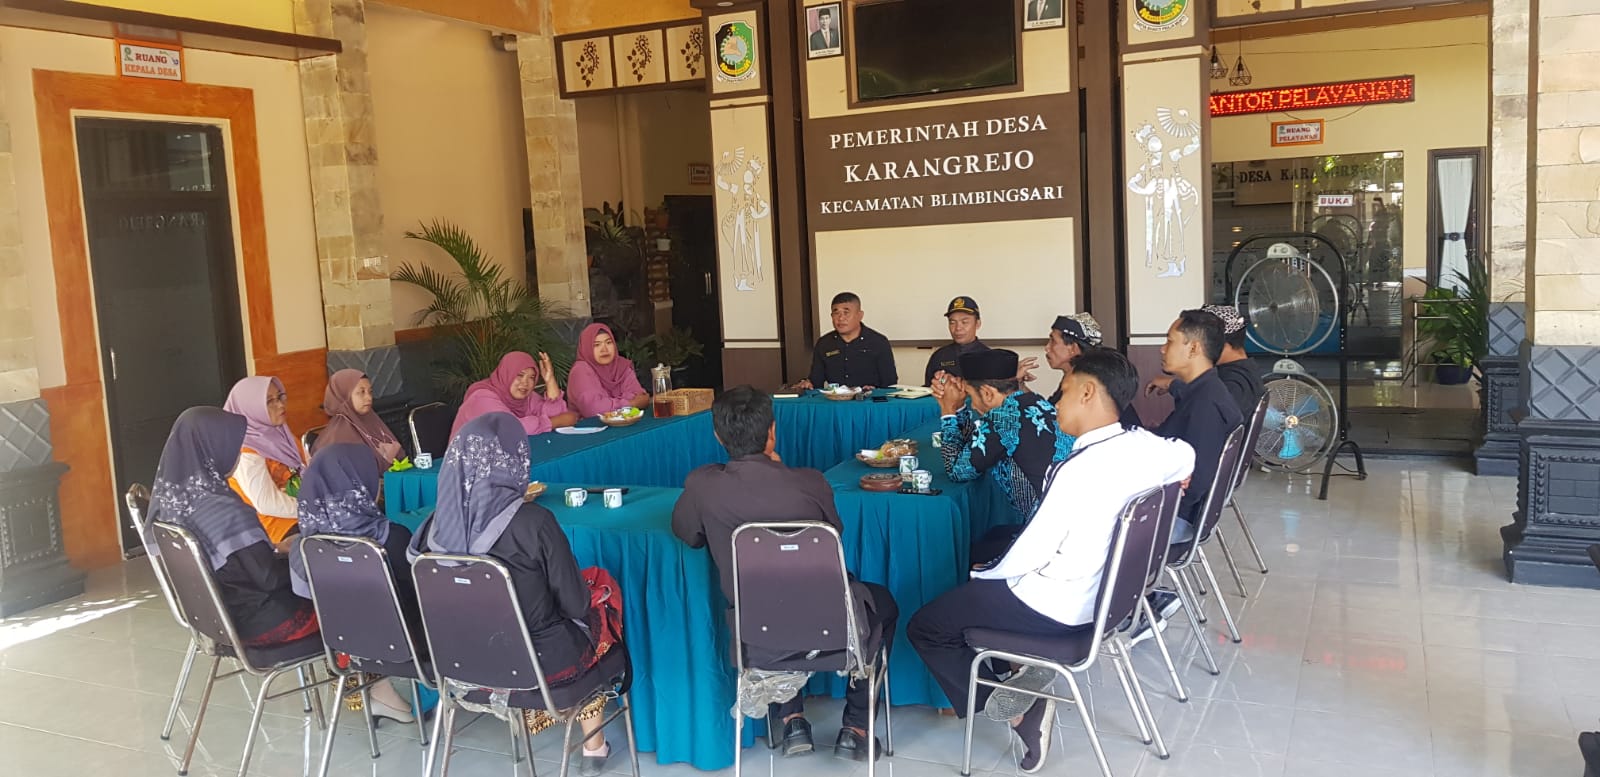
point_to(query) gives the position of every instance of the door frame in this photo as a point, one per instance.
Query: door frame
(78, 418)
(1480, 201)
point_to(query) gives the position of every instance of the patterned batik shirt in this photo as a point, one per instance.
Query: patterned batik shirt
(1017, 442)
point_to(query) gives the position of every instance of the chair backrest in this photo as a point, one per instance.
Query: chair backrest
(358, 607)
(138, 500)
(1171, 500)
(1252, 436)
(430, 428)
(1221, 488)
(193, 585)
(309, 438)
(791, 593)
(473, 623)
(1127, 571)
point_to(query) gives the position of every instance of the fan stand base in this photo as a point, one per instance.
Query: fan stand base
(1327, 469)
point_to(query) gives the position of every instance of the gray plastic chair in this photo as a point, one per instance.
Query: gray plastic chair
(138, 501)
(792, 597)
(361, 616)
(477, 637)
(208, 620)
(1124, 581)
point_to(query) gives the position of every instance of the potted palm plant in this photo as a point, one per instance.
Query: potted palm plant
(1456, 321)
(484, 313)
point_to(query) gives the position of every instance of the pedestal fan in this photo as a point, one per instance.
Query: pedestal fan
(1293, 305)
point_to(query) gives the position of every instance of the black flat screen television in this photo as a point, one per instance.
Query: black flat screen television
(917, 47)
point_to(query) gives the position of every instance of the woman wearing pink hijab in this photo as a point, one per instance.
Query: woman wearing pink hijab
(270, 457)
(509, 389)
(602, 381)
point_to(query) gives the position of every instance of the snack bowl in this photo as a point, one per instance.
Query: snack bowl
(872, 458)
(534, 490)
(627, 416)
(880, 481)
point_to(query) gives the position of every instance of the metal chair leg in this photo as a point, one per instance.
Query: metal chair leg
(333, 730)
(305, 695)
(255, 718)
(183, 682)
(888, 709)
(872, 723)
(1199, 585)
(1227, 614)
(972, 710)
(439, 714)
(1127, 694)
(1088, 724)
(1249, 538)
(566, 744)
(200, 716)
(1126, 659)
(372, 720)
(1227, 556)
(1187, 600)
(627, 722)
(527, 747)
(449, 737)
(416, 701)
(516, 739)
(1166, 655)
(738, 742)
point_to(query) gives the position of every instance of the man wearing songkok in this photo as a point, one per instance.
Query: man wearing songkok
(964, 321)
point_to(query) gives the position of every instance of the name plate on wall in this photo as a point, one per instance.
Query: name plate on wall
(996, 160)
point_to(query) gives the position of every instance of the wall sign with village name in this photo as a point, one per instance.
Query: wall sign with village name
(996, 160)
(140, 60)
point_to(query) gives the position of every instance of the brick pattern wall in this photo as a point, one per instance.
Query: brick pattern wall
(1566, 271)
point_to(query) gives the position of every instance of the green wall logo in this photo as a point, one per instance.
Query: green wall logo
(1160, 15)
(736, 47)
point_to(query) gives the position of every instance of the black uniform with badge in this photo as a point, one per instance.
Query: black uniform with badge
(948, 357)
(867, 360)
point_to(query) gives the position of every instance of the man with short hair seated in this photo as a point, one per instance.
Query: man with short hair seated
(853, 354)
(756, 487)
(1234, 367)
(964, 321)
(1203, 412)
(992, 424)
(1047, 582)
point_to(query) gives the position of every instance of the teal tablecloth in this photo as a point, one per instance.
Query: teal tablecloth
(812, 432)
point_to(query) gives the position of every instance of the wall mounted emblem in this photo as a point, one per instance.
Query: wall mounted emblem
(1160, 15)
(736, 47)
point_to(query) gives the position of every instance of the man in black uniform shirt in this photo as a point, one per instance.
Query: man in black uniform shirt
(1203, 412)
(852, 354)
(1238, 373)
(756, 486)
(964, 320)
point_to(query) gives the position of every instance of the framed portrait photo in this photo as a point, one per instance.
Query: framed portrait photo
(1043, 14)
(824, 31)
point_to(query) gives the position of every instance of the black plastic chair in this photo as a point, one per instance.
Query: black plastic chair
(1172, 497)
(360, 614)
(430, 428)
(207, 618)
(1247, 457)
(309, 438)
(792, 597)
(1123, 583)
(1181, 557)
(477, 638)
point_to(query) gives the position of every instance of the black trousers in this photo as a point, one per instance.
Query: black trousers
(935, 633)
(882, 614)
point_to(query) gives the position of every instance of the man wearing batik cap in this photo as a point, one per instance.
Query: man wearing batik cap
(964, 321)
(1235, 368)
(992, 424)
(1070, 336)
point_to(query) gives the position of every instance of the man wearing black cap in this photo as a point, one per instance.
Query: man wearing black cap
(992, 424)
(853, 354)
(1235, 369)
(1073, 335)
(964, 320)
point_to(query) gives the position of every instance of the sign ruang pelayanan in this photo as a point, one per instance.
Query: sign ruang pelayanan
(139, 60)
(999, 160)
(1375, 91)
(1297, 133)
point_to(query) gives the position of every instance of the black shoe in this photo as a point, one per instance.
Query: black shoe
(854, 746)
(1164, 603)
(797, 737)
(1034, 731)
(1589, 745)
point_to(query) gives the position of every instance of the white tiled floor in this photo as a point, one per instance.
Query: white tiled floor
(1385, 643)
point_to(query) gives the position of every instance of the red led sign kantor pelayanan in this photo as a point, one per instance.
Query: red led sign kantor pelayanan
(1399, 89)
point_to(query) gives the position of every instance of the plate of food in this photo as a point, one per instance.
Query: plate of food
(888, 454)
(627, 416)
(831, 391)
(534, 490)
(880, 481)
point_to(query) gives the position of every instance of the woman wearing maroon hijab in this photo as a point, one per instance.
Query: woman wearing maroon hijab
(602, 380)
(509, 389)
(348, 403)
